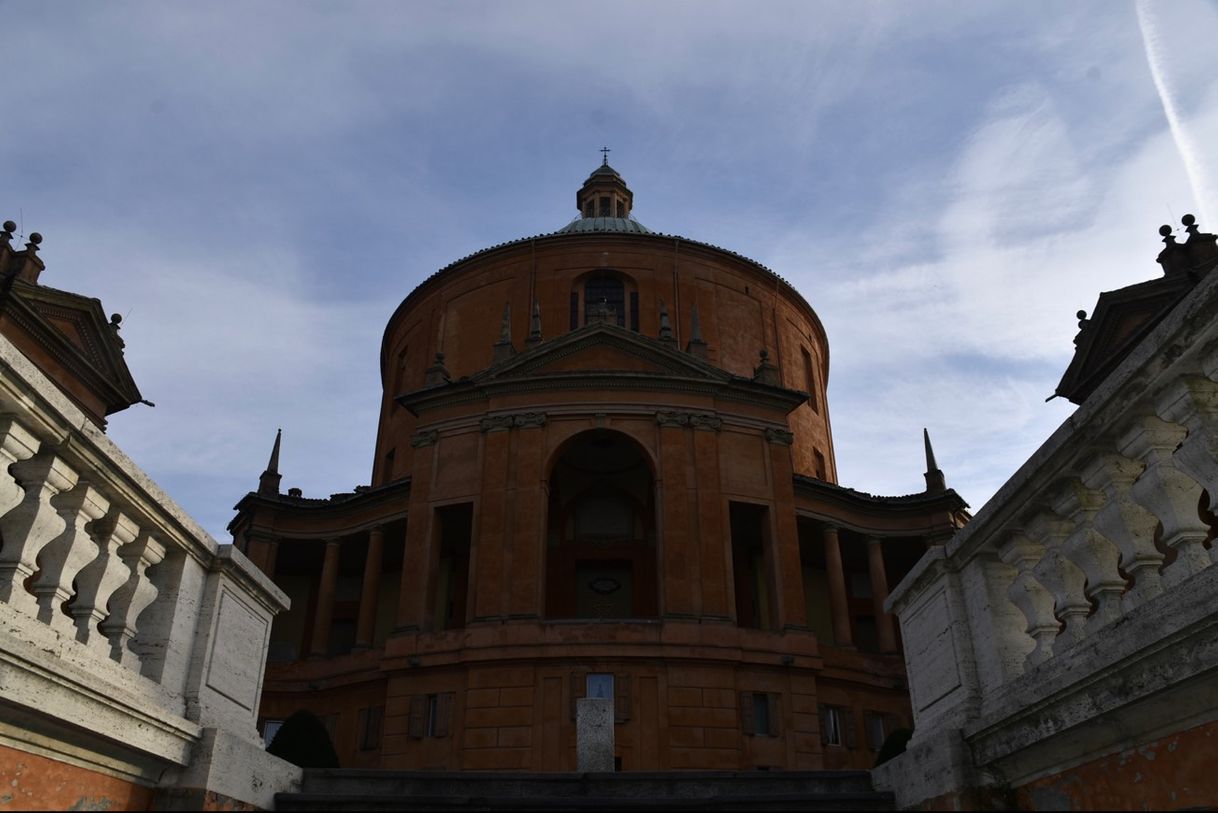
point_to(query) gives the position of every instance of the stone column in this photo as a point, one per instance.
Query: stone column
(837, 587)
(417, 554)
(879, 594)
(372, 588)
(678, 555)
(325, 601)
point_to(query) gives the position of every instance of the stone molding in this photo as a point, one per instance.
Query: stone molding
(425, 437)
(707, 421)
(780, 437)
(515, 420)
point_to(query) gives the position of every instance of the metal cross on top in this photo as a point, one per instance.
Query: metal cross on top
(605, 156)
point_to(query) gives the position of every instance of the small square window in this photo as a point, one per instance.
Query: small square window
(599, 685)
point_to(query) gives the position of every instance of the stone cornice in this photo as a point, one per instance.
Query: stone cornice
(707, 421)
(513, 420)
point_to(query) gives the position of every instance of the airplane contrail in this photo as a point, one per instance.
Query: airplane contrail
(1194, 166)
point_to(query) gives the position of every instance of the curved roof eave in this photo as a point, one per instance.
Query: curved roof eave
(564, 234)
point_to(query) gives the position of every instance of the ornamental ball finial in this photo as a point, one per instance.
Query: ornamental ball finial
(1165, 230)
(1188, 220)
(10, 225)
(35, 237)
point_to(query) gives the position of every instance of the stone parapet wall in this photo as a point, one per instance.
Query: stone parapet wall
(134, 644)
(1073, 617)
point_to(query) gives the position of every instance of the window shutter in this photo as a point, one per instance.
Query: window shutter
(747, 724)
(851, 735)
(444, 714)
(578, 689)
(417, 725)
(621, 698)
(824, 725)
(775, 715)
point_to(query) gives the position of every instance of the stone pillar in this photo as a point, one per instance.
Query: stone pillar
(837, 587)
(366, 625)
(525, 580)
(594, 735)
(417, 553)
(786, 571)
(493, 542)
(679, 558)
(325, 601)
(879, 594)
(716, 548)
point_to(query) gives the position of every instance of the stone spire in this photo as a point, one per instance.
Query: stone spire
(935, 482)
(503, 349)
(696, 346)
(535, 325)
(665, 325)
(268, 483)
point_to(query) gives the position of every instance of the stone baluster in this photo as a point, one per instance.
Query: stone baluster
(30, 525)
(1192, 401)
(65, 555)
(132, 598)
(1094, 554)
(1061, 577)
(1126, 524)
(16, 444)
(1169, 494)
(99, 579)
(1030, 596)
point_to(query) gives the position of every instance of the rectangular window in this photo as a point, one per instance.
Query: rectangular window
(634, 311)
(455, 528)
(269, 729)
(831, 725)
(759, 715)
(750, 573)
(821, 471)
(604, 208)
(370, 721)
(809, 379)
(878, 727)
(430, 715)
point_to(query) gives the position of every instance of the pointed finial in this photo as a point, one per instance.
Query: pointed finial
(505, 326)
(437, 373)
(268, 483)
(503, 349)
(696, 346)
(935, 482)
(665, 325)
(605, 156)
(535, 324)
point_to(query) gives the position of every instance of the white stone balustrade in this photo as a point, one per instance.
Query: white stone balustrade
(119, 615)
(65, 555)
(1168, 493)
(98, 580)
(1030, 596)
(1129, 526)
(1103, 535)
(30, 524)
(1093, 553)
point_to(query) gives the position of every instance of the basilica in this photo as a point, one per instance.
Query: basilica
(604, 466)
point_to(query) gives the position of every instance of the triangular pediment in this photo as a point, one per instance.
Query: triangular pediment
(1120, 320)
(602, 348)
(74, 329)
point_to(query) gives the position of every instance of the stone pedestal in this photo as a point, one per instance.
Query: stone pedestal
(594, 735)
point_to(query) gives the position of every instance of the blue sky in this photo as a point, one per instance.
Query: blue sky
(256, 187)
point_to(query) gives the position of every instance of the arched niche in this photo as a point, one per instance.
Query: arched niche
(601, 539)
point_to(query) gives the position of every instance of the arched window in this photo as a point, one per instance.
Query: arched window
(605, 290)
(601, 546)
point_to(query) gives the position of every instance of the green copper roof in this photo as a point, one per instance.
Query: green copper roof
(604, 224)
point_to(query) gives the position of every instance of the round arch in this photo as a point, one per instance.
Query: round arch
(601, 531)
